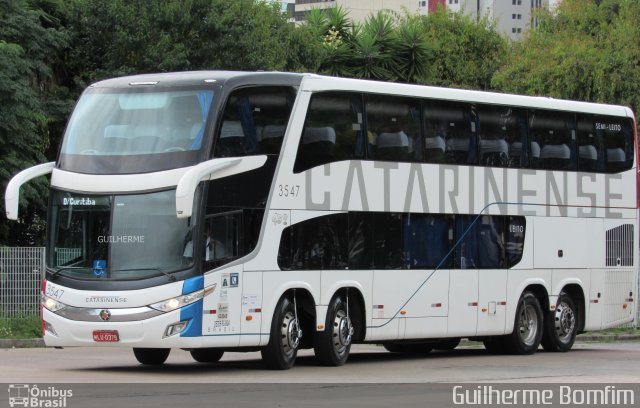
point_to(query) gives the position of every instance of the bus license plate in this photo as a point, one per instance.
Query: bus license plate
(106, 336)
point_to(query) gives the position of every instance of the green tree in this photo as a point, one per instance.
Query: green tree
(464, 53)
(29, 44)
(586, 50)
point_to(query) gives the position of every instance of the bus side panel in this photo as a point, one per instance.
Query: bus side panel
(463, 295)
(251, 316)
(492, 302)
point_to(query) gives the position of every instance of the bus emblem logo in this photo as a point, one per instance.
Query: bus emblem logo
(105, 315)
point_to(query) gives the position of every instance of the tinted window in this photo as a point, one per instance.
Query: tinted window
(502, 134)
(403, 241)
(590, 153)
(254, 121)
(450, 132)
(393, 128)
(332, 130)
(319, 243)
(552, 140)
(428, 239)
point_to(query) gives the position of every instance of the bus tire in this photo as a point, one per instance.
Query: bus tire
(207, 355)
(528, 326)
(411, 348)
(561, 328)
(447, 345)
(333, 344)
(281, 351)
(494, 344)
(151, 356)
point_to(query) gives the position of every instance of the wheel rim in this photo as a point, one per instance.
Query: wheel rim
(528, 325)
(565, 322)
(290, 332)
(342, 331)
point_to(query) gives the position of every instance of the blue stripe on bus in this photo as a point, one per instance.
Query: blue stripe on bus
(192, 312)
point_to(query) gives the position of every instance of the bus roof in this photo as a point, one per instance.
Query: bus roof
(188, 78)
(317, 83)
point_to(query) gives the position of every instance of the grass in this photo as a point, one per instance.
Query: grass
(20, 328)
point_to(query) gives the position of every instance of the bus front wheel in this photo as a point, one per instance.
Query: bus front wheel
(281, 351)
(527, 330)
(333, 344)
(561, 327)
(151, 356)
(207, 355)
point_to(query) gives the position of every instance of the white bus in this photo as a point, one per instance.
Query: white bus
(230, 211)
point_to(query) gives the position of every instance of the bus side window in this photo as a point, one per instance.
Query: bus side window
(590, 157)
(428, 239)
(503, 134)
(450, 132)
(332, 130)
(393, 125)
(254, 121)
(553, 140)
(388, 251)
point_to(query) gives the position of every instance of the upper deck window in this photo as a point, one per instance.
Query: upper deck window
(254, 121)
(135, 131)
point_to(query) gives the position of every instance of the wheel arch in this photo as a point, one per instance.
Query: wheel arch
(357, 310)
(576, 292)
(539, 290)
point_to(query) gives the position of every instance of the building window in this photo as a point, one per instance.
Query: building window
(519, 16)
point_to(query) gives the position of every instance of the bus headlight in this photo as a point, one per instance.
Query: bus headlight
(182, 301)
(51, 304)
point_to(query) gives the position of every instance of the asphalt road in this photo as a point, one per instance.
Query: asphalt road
(372, 377)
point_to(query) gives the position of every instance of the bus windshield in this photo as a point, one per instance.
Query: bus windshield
(139, 130)
(117, 237)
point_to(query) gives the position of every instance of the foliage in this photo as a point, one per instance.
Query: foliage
(465, 53)
(443, 48)
(29, 327)
(587, 50)
(29, 44)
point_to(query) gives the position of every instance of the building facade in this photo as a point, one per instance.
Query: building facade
(358, 10)
(512, 17)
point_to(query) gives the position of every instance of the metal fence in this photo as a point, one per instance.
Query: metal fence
(21, 271)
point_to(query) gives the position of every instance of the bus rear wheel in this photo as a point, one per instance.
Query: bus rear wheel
(207, 355)
(527, 330)
(561, 327)
(151, 356)
(332, 345)
(281, 351)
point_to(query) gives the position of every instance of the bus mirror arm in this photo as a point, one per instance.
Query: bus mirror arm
(12, 193)
(210, 170)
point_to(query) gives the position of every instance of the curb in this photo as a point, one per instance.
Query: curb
(38, 343)
(21, 343)
(609, 337)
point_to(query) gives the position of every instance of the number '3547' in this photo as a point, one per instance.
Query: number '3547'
(286, 190)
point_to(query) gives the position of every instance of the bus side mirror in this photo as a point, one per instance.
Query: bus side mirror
(211, 170)
(12, 193)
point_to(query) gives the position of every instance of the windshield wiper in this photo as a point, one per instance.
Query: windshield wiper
(168, 275)
(57, 271)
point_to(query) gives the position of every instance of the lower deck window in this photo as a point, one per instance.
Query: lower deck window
(361, 240)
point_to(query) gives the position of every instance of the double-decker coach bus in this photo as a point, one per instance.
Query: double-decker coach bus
(230, 211)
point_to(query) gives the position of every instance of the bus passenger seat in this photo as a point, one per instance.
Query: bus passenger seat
(555, 156)
(272, 136)
(392, 146)
(587, 157)
(495, 152)
(232, 140)
(116, 139)
(616, 159)
(434, 148)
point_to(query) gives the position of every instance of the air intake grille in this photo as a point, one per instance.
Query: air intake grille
(620, 246)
